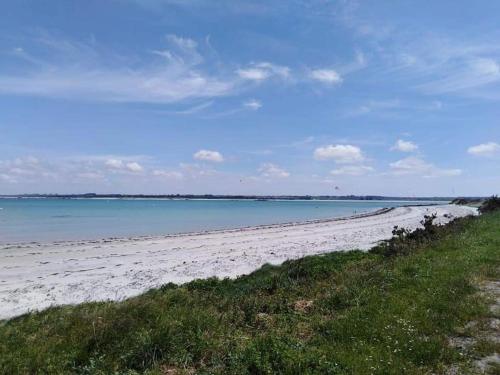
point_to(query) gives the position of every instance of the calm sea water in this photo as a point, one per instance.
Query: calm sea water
(44, 220)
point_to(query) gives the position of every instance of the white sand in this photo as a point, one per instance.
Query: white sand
(36, 276)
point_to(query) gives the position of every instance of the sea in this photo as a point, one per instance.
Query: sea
(50, 220)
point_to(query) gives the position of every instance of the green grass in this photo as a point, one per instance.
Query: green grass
(370, 314)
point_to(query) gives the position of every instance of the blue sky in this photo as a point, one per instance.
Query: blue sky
(250, 97)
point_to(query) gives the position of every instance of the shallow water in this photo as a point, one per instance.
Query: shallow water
(46, 220)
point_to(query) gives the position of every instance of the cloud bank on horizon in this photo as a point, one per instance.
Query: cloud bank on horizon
(250, 97)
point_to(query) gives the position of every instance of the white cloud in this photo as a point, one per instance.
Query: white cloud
(328, 76)
(208, 155)
(120, 165)
(25, 169)
(262, 71)
(416, 166)
(484, 149)
(278, 70)
(134, 167)
(253, 74)
(352, 170)
(114, 163)
(344, 154)
(404, 146)
(253, 104)
(270, 170)
(486, 67)
(70, 174)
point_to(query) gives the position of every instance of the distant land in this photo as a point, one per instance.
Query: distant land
(249, 197)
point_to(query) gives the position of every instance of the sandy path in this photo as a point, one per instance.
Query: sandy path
(35, 276)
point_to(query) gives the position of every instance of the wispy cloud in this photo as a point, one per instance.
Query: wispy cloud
(417, 166)
(209, 7)
(83, 71)
(372, 106)
(178, 72)
(252, 104)
(195, 109)
(352, 170)
(472, 73)
(437, 65)
(270, 170)
(168, 174)
(304, 143)
(424, 60)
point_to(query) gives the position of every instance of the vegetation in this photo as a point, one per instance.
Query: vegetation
(490, 205)
(389, 311)
(476, 202)
(405, 241)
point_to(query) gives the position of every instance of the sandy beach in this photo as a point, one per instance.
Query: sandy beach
(35, 276)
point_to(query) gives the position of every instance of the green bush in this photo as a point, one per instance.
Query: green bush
(490, 205)
(405, 241)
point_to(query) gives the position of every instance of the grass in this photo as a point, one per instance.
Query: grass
(339, 313)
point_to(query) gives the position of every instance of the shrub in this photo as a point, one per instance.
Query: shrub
(405, 241)
(490, 205)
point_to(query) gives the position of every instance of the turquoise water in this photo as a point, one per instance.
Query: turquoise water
(44, 220)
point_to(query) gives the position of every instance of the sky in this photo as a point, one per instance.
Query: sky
(250, 97)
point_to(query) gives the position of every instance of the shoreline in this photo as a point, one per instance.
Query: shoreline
(379, 211)
(37, 276)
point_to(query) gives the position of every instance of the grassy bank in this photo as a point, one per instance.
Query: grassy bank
(390, 311)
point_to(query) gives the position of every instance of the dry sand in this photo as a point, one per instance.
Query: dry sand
(35, 276)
